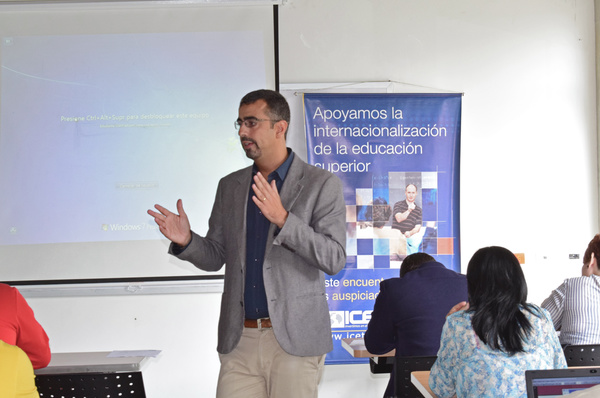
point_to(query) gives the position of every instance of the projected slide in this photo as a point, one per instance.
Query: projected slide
(96, 129)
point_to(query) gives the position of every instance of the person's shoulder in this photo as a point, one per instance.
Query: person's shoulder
(458, 275)
(310, 170)
(535, 312)
(460, 318)
(581, 281)
(313, 176)
(7, 289)
(391, 282)
(10, 350)
(16, 357)
(236, 175)
(6, 347)
(390, 288)
(441, 268)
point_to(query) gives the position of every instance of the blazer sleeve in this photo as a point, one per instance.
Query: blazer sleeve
(207, 253)
(319, 237)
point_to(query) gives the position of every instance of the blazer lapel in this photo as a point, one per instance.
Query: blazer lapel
(293, 184)
(292, 187)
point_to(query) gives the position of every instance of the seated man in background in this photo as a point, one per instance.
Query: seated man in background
(410, 311)
(575, 305)
(19, 327)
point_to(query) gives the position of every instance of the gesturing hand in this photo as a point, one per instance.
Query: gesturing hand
(268, 201)
(175, 227)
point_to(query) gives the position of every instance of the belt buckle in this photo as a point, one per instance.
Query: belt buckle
(259, 323)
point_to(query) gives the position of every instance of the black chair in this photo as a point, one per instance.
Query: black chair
(381, 364)
(91, 385)
(582, 355)
(403, 366)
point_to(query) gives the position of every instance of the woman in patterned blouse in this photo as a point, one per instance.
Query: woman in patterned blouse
(487, 345)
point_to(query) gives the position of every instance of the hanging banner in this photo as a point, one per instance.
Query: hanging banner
(398, 157)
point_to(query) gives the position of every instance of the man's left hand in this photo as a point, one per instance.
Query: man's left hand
(266, 197)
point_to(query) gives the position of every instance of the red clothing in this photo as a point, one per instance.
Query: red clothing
(19, 327)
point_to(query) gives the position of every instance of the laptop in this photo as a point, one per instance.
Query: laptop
(558, 382)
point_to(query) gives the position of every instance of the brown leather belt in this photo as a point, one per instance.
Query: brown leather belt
(261, 323)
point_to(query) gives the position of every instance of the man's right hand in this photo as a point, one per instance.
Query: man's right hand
(175, 227)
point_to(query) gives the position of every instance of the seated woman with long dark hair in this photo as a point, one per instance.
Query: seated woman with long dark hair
(487, 346)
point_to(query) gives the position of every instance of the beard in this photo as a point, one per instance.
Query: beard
(252, 152)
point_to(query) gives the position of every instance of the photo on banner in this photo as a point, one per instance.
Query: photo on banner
(398, 156)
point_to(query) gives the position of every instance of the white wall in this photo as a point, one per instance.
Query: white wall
(528, 167)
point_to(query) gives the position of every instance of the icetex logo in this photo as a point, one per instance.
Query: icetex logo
(340, 319)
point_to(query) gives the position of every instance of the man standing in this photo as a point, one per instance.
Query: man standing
(278, 225)
(410, 311)
(408, 218)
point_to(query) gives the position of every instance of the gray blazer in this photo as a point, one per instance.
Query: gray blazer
(312, 242)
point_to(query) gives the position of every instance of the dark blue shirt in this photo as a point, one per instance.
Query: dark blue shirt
(257, 230)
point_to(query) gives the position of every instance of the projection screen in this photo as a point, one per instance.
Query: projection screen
(108, 109)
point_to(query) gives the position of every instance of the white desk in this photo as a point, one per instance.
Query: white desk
(421, 381)
(356, 348)
(378, 363)
(91, 362)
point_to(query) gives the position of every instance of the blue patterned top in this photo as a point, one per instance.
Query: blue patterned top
(469, 368)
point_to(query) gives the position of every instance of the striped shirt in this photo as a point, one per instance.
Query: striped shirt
(415, 217)
(575, 310)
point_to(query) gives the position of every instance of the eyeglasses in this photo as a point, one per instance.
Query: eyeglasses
(251, 122)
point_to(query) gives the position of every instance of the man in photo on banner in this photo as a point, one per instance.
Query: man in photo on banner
(278, 226)
(408, 218)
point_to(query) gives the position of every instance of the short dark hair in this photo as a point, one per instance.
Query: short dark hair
(414, 261)
(277, 106)
(593, 247)
(497, 296)
(414, 185)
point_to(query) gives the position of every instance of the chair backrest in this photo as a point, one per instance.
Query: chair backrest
(91, 385)
(403, 366)
(582, 355)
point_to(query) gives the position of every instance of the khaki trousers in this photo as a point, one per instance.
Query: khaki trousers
(259, 368)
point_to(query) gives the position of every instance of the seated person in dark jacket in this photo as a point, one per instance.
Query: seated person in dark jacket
(410, 311)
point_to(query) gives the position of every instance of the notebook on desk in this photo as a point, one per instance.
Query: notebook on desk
(558, 382)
